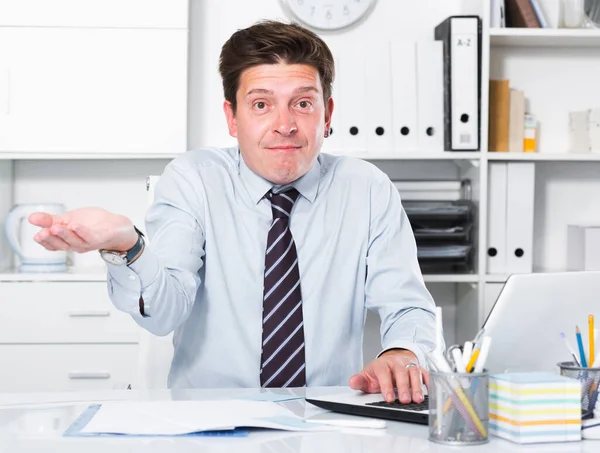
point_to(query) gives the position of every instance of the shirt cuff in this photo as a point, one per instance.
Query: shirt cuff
(410, 346)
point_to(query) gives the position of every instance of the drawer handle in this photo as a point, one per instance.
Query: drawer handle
(89, 314)
(89, 375)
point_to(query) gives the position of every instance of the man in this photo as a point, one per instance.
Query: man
(265, 257)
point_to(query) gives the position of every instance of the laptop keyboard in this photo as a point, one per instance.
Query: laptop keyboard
(406, 406)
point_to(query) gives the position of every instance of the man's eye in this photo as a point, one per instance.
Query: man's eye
(304, 104)
(260, 105)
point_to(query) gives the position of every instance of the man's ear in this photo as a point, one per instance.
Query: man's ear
(328, 113)
(230, 117)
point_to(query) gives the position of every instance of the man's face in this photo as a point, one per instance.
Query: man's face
(280, 120)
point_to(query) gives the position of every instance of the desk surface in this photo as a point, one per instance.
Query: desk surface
(35, 423)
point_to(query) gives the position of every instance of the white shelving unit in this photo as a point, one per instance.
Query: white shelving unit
(552, 66)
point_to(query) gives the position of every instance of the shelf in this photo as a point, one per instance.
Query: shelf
(552, 157)
(545, 37)
(99, 275)
(72, 275)
(451, 278)
(84, 156)
(496, 278)
(416, 155)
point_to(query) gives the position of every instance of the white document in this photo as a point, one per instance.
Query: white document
(353, 98)
(496, 240)
(378, 79)
(404, 95)
(464, 80)
(430, 96)
(185, 417)
(519, 216)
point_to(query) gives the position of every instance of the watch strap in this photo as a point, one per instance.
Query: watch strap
(134, 251)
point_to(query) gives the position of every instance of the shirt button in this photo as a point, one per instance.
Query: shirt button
(131, 277)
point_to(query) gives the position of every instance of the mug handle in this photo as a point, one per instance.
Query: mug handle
(13, 223)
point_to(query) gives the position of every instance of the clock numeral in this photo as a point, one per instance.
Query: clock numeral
(300, 2)
(328, 15)
(312, 10)
(346, 10)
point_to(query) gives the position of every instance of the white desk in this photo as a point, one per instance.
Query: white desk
(35, 423)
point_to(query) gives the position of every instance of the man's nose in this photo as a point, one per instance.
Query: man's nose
(285, 123)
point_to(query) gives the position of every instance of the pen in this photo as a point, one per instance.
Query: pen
(592, 352)
(372, 424)
(439, 335)
(570, 348)
(485, 348)
(467, 351)
(580, 344)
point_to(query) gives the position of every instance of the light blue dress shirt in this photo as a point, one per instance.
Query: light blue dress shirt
(202, 274)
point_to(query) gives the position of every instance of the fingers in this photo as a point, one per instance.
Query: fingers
(359, 382)
(59, 237)
(69, 237)
(383, 374)
(425, 375)
(401, 376)
(42, 219)
(416, 383)
(50, 242)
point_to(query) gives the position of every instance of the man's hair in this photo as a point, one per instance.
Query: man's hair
(272, 42)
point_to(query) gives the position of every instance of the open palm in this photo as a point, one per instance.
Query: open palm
(85, 229)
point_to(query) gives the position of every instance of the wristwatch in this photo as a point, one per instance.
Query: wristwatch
(124, 258)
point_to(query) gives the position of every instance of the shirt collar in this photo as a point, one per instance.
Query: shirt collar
(258, 186)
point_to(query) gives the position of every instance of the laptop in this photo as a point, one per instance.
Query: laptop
(531, 312)
(525, 325)
(373, 405)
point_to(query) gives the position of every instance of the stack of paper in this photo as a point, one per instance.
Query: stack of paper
(535, 407)
(172, 418)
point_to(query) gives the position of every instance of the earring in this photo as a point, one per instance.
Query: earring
(326, 134)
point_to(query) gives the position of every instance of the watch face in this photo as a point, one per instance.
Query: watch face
(329, 14)
(113, 258)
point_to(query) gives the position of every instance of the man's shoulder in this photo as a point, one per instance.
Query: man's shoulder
(207, 157)
(351, 168)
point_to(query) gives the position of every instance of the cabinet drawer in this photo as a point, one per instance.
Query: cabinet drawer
(32, 368)
(62, 312)
(95, 13)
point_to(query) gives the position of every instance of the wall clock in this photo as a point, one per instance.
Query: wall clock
(329, 14)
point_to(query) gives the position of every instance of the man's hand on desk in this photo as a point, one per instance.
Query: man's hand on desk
(395, 368)
(85, 229)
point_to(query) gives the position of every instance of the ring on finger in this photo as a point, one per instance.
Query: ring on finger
(409, 365)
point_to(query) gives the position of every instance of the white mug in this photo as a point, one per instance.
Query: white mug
(20, 233)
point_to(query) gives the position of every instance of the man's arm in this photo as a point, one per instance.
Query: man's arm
(395, 289)
(162, 283)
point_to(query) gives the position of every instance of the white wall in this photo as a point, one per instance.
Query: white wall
(213, 21)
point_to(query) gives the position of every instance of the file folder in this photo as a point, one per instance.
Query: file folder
(404, 95)
(496, 239)
(461, 37)
(430, 96)
(520, 200)
(334, 143)
(378, 79)
(353, 97)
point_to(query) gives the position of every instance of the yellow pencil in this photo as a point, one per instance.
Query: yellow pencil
(591, 338)
(471, 363)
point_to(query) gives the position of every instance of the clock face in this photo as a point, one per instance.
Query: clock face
(329, 14)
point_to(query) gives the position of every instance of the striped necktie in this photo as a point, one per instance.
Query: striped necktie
(282, 358)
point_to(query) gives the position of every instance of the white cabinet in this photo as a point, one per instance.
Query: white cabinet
(90, 90)
(72, 81)
(57, 336)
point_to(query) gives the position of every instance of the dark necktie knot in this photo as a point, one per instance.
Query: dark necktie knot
(282, 203)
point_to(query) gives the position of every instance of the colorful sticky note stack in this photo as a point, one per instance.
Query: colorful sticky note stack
(535, 407)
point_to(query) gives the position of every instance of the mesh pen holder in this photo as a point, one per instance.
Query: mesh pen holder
(458, 408)
(590, 379)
